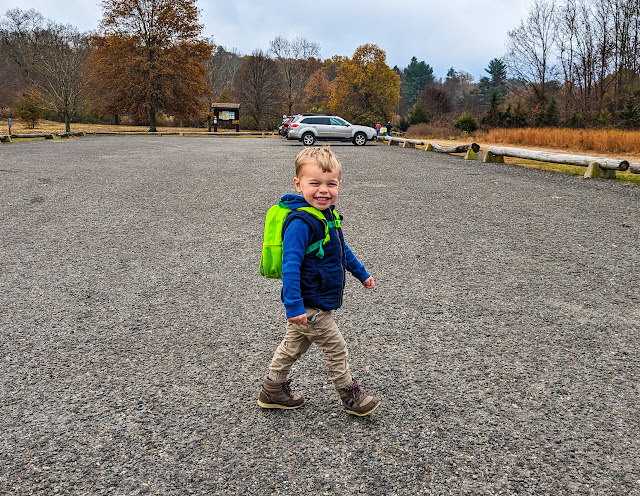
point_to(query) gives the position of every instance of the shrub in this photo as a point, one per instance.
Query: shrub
(30, 106)
(519, 117)
(604, 118)
(403, 124)
(547, 116)
(466, 122)
(576, 121)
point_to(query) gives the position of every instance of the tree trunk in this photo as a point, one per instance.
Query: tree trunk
(152, 119)
(67, 122)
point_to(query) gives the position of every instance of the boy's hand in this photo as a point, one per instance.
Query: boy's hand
(369, 283)
(299, 320)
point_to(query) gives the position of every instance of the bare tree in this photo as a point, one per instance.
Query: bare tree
(625, 23)
(52, 57)
(258, 88)
(21, 32)
(61, 72)
(530, 48)
(222, 67)
(294, 57)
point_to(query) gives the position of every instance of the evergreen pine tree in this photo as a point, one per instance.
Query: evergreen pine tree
(630, 114)
(493, 117)
(552, 112)
(418, 113)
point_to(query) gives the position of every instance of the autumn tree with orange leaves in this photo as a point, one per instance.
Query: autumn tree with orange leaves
(366, 89)
(150, 58)
(317, 92)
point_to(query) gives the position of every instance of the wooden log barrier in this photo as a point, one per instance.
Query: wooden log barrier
(435, 147)
(5, 139)
(68, 135)
(634, 168)
(35, 135)
(404, 142)
(495, 153)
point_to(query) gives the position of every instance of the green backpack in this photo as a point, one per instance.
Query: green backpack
(271, 258)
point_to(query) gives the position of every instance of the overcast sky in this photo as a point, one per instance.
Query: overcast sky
(464, 34)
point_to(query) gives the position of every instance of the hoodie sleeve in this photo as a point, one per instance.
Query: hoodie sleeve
(354, 265)
(294, 244)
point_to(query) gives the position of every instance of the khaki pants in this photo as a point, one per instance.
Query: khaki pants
(322, 330)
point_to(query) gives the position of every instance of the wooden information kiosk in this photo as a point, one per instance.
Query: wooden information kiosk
(226, 112)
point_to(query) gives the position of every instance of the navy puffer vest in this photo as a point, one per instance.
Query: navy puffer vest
(322, 280)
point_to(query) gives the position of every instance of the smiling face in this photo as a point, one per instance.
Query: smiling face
(319, 188)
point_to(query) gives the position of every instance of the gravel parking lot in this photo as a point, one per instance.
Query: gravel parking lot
(503, 335)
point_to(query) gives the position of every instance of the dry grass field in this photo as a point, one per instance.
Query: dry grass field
(611, 143)
(42, 126)
(601, 141)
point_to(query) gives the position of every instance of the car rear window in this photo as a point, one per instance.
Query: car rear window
(316, 120)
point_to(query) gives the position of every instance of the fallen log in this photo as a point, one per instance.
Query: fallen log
(36, 135)
(634, 168)
(406, 143)
(435, 147)
(69, 134)
(556, 158)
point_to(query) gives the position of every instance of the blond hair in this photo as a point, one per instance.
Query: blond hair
(323, 157)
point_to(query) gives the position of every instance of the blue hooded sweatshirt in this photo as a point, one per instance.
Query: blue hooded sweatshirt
(308, 281)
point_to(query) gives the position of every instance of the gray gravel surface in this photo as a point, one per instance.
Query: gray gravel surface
(502, 336)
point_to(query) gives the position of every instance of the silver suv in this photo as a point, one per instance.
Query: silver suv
(309, 128)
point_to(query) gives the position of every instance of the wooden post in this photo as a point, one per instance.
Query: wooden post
(215, 120)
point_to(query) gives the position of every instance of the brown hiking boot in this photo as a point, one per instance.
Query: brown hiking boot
(356, 401)
(278, 395)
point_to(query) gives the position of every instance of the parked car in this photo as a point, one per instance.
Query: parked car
(309, 128)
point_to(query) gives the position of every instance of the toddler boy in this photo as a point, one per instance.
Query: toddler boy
(312, 287)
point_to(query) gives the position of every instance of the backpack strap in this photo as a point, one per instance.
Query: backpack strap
(327, 224)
